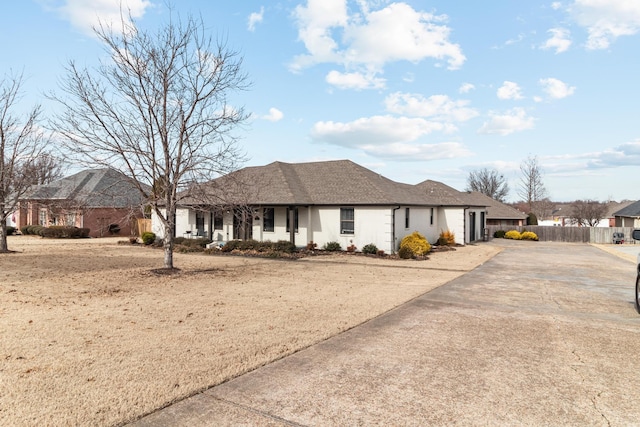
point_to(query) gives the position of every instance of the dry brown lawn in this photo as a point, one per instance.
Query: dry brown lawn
(90, 336)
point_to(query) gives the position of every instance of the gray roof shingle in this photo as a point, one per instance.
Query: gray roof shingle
(632, 210)
(338, 182)
(495, 209)
(91, 188)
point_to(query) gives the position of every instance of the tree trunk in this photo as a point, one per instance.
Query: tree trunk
(3, 237)
(167, 244)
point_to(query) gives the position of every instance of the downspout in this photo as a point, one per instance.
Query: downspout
(393, 229)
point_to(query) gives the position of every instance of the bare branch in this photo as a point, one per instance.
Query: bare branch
(21, 142)
(489, 182)
(587, 213)
(158, 111)
(532, 189)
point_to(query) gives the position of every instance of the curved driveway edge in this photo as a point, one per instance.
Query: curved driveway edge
(542, 334)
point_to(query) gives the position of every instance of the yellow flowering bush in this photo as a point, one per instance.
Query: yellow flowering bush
(513, 234)
(415, 244)
(529, 235)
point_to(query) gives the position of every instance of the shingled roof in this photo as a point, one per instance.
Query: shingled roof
(440, 194)
(91, 188)
(337, 182)
(495, 209)
(632, 210)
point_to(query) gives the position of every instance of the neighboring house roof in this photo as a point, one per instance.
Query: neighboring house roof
(632, 210)
(90, 188)
(441, 194)
(614, 207)
(495, 209)
(338, 182)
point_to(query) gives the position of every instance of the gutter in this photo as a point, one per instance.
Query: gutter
(393, 229)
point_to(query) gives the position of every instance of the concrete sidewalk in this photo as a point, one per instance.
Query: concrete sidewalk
(543, 334)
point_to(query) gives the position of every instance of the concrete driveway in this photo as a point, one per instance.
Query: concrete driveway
(543, 334)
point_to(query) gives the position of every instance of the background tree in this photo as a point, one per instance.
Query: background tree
(157, 112)
(489, 182)
(531, 188)
(45, 169)
(21, 141)
(587, 213)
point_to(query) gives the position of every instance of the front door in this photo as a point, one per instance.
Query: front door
(199, 224)
(472, 226)
(242, 225)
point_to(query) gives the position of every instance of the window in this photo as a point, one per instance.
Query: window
(295, 219)
(217, 221)
(431, 219)
(43, 217)
(268, 223)
(346, 221)
(70, 218)
(406, 218)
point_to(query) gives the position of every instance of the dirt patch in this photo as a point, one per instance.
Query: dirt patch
(92, 336)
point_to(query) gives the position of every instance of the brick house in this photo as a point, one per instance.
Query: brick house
(103, 200)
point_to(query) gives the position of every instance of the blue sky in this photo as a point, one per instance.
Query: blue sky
(414, 90)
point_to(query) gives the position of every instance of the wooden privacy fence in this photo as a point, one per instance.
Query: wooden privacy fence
(141, 225)
(599, 235)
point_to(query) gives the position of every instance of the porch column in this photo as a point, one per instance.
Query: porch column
(292, 224)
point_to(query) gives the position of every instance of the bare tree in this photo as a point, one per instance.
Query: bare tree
(587, 212)
(158, 111)
(45, 169)
(488, 182)
(21, 141)
(531, 188)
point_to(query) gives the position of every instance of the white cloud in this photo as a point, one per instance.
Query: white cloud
(509, 90)
(627, 154)
(356, 80)
(389, 138)
(274, 115)
(559, 40)
(556, 5)
(439, 107)
(376, 130)
(85, 15)
(417, 152)
(466, 88)
(366, 40)
(255, 18)
(315, 24)
(606, 20)
(514, 120)
(556, 89)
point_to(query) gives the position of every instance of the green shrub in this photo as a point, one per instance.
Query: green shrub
(405, 252)
(417, 244)
(148, 237)
(529, 235)
(31, 230)
(63, 232)
(532, 219)
(499, 234)
(263, 247)
(332, 246)
(370, 249)
(229, 246)
(10, 230)
(284, 246)
(513, 234)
